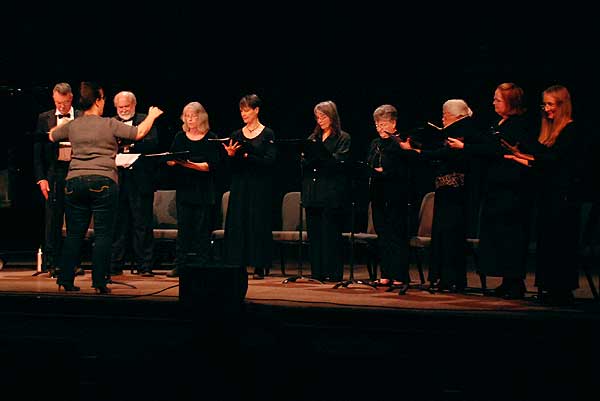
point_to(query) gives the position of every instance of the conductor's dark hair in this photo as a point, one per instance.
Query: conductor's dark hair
(89, 92)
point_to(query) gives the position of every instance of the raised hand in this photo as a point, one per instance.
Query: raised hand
(231, 148)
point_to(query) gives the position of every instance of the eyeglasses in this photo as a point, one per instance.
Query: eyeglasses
(550, 105)
(382, 123)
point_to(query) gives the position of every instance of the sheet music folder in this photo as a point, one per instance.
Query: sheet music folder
(126, 160)
(312, 150)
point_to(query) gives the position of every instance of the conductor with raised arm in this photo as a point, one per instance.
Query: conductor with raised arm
(91, 189)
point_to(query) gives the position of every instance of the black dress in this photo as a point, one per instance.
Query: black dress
(325, 194)
(248, 224)
(557, 170)
(506, 201)
(451, 207)
(195, 197)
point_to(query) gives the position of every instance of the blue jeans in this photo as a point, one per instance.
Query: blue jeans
(86, 197)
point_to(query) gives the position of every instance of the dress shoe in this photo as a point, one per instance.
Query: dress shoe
(403, 287)
(173, 273)
(514, 290)
(499, 291)
(558, 298)
(514, 293)
(79, 271)
(259, 274)
(69, 287)
(102, 289)
(456, 289)
(146, 273)
(432, 287)
(382, 282)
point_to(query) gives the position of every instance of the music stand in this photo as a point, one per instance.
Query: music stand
(302, 147)
(357, 171)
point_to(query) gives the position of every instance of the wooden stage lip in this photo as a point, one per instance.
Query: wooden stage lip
(24, 283)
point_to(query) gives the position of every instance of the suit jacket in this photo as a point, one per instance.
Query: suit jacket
(143, 172)
(45, 152)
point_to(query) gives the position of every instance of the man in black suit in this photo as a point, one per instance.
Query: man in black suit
(51, 163)
(134, 228)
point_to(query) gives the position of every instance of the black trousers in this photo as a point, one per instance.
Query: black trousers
(390, 220)
(133, 228)
(324, 229)
(54, 215)
(193, 232)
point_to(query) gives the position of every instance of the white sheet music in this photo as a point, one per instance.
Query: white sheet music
(126, 159)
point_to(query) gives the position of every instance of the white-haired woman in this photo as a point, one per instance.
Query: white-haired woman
(451, 207)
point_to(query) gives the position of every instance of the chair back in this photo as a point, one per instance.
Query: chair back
(165, 209)
(370, 225)
(290, 212)
(224, 206)
(426, 215)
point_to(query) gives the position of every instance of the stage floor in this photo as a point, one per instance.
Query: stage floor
(21, 279)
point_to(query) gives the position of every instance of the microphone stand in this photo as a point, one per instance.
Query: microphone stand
(354, 171)
(299, 276)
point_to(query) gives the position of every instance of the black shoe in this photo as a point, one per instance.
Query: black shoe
(79, 271)
(259, 274)
(515, 290)
(558, 298)
(173, 273)
(68, 287)
(102, 289)
(456, 289)
(403, 287)
(432, 287)
(500, 291)
(146, 273)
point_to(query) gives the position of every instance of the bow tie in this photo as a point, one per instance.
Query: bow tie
(68, 115)
(124, 121)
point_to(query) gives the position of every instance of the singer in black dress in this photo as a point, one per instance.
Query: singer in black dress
(451, 205)
(195, 187)
(557, 168)
(251, 156)
(325, 193)
(506, 194)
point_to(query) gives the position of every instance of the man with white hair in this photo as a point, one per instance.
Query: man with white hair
(136, 194)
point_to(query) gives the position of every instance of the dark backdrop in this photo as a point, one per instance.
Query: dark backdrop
(293, 57)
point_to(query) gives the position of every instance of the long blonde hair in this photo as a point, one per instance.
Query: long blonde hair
(551, 128)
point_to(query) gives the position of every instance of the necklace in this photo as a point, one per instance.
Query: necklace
(253, 129)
